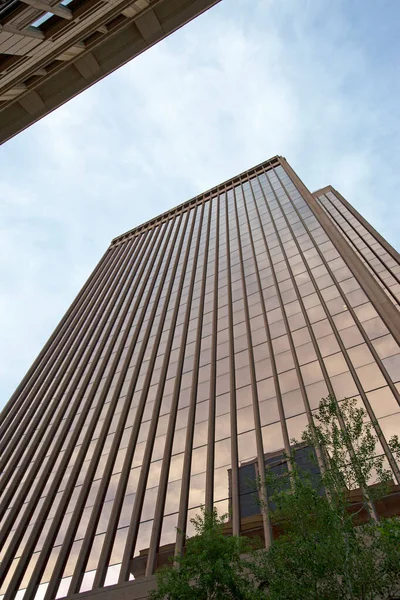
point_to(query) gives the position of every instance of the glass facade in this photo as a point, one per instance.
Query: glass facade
(202, 343)
(381, 261)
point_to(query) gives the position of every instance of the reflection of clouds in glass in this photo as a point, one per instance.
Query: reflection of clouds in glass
(87, 581)
(288, 381)
(272, 437)
(133, 481)
(247, 446)
(72, 558)
(168, 530)
(94, 555)
(176, 467)
(190, 530)
(386, 346)
(222, 427)
(221, 483)
(383, 402)
(104, 517)
(126, 512)
(315, 392)
(266, 389)
(199, 460)
(112, 575)
(149, 504)
(390, 425)
(222, 453)
(158, 448)
(154, 474)
(222, 507)
(179, 441)
(344, 385)
(50, 564)
(138, 456)
(245, 419)
(296, 426)
(143, 539)
(119, 545)
(41, 591)
(172, 497)
(197, 490)
(293, 404)
(30, 569)
(312, 372)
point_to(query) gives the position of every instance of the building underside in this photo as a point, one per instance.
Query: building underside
(50, 51)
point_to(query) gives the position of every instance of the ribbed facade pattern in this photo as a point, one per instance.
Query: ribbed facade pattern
(202, 341)
(384, 266)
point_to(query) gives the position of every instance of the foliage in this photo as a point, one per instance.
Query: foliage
(212, 568)
(320, 554)
(328, 548)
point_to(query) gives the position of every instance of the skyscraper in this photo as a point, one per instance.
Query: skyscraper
(51, 51)
(201, 344)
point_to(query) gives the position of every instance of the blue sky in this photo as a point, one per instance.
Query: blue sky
(315, 81)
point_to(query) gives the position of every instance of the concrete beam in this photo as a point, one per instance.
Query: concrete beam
(87, 66)
(32, 103)
(149, 26)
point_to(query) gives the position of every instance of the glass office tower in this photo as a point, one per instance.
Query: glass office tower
(201, 344)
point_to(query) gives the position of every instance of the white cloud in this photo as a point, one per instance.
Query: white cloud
(243, 82)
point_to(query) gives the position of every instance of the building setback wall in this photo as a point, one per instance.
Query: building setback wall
(381, 259)
(203, 341)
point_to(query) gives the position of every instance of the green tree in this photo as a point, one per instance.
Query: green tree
(320, 553)
(213, 566)
(328, 547)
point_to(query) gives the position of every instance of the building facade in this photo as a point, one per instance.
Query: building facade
(51, 50)
(201, 344)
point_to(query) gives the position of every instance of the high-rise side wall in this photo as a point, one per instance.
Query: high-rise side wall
(204, 340)
(379, 257)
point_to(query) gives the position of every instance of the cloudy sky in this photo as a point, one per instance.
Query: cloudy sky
(315, 81)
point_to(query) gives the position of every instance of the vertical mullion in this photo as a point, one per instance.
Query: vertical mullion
(382, 304)
(166, 460)
(17, 400)
(360, 236)
(141, 487)
(371, 230)
(370, 504)
(358, 251)
(284, 315)
(90, 328)
(209, 493)
(150, 251)
(351, 310)
(342, 347)
(184, 497)
(26, 555)
(132, 531)
(33, 415)
(254, 390)
(91, 529)
(232, 391)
